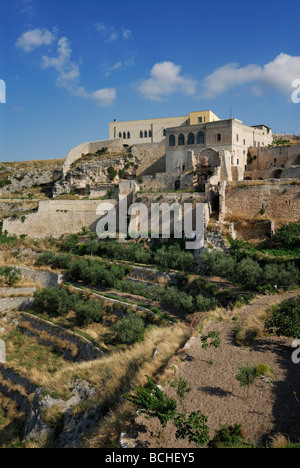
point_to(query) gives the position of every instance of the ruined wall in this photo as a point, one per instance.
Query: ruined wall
(153, 157)
(55, 218)
(280, 202)
(92, 147)
(264, 161)
(158, 183)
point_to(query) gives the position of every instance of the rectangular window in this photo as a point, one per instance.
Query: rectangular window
(219, 137)
(199, 119)
(237, 138)
(244, 142)
(237, 162)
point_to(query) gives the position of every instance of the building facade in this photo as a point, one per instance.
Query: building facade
(154, 130)
(231, 135)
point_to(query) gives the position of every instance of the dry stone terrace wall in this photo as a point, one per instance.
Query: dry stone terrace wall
(55, 218)
(280, 202)
(86, 351)
(46, 279)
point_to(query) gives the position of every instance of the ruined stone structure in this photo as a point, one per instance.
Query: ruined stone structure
(202, 159)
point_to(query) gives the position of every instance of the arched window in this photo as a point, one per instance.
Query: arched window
(150, 133)
(181, 140)
(171, 140)
(128, 135)
(164, 132)
(200, 138)
(191, 139)
(145, 134)
(120, 135)
(124, 135)
(141, 134)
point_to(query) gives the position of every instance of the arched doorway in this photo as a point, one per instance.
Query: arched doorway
(276, 174)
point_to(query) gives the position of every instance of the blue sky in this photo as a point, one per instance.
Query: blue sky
(72, 66)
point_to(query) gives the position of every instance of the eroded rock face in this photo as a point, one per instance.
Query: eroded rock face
(70, 426)
(20, 181)
(87, 177)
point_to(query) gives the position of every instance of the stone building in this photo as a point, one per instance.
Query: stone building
(154, 130)
(230, 135)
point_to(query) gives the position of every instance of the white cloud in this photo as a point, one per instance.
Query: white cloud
(68, 71)
(120, 65)
(277, 75)
(34, 38)
(111, 34)
(105, 97)
(165, 79)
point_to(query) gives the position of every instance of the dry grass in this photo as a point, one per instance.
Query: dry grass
(279, 441)
(128, 369)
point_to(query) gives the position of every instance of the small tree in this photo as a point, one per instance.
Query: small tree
(246, 376)
(154, 402)
(182, 388)
(130, 328)
(212, 339)
(194, 428)
(112, 172)
(285, 319)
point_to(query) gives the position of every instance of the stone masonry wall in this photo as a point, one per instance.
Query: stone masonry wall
(55, 218)
(281, 203)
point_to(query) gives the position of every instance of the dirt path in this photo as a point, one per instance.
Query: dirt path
(272, 407)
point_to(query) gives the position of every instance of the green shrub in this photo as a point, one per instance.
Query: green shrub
(285, 320)
(129, 329)
(112, 172)
(228, 437)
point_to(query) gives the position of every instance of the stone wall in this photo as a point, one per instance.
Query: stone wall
(86, 350)
(46, 279)
(277, 202)
(55, 218)
(92, 147)
(153, 157)
(12, 303)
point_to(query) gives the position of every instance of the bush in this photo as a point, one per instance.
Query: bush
(55, 302)
(285, 320)
(10, 275)
(228, 437)
(88, 312)
(130, 328)
(112, 172)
